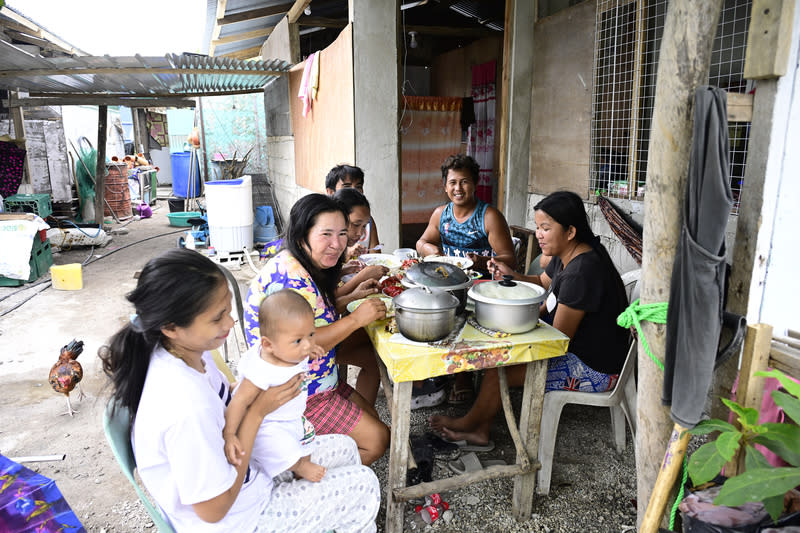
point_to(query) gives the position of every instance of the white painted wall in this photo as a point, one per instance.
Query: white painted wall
(775, 288)
(81, 120)
(375, 90)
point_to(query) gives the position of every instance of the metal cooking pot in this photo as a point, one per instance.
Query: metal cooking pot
(510, 306)
(425, 315)
(440, 276)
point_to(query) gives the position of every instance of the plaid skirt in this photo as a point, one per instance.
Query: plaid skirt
(332, 412)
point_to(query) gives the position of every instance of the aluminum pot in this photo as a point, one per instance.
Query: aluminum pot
(510, 306)
(425, 315)
(437, 275)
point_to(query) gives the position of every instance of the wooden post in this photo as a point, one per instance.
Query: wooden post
(755, 356)
(398, 455)
(502, 109)
(683, 66)
(100, 172)
(202, 121)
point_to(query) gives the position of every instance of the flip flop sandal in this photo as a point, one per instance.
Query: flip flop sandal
(469, 463)
(465, 446)
(442, 447)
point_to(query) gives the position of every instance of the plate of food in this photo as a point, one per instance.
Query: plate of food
(352, 306)
(391, 286)
(460, 262)
(387, 260)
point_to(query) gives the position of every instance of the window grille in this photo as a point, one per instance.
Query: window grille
(627, 43)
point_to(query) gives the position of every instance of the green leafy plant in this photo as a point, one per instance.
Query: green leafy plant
(760, 482)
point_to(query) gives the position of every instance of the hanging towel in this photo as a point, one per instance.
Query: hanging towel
(304, 93)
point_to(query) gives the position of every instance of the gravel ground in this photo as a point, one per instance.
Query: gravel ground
(593, 489)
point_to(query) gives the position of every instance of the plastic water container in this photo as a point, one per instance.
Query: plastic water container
(180, 162)
(264, 227)
(229, 206)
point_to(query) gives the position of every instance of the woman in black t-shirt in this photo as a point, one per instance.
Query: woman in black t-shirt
(589, 296)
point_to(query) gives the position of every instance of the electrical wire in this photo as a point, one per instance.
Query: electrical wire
(88, 261)
(99, 229)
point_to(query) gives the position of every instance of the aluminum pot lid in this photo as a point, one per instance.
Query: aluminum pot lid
(425, 299)
(508, 292)
(437, 274)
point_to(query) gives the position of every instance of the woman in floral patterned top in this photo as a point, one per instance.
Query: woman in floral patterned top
(310, 263)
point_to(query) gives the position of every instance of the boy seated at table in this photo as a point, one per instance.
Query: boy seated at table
(352, 177)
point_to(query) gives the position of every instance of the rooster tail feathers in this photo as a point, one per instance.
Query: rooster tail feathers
(74, 349)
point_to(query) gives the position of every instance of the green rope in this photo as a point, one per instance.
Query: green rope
(633, 316)
(637, 313)
(680, 494)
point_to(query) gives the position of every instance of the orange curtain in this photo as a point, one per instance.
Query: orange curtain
(430, 131)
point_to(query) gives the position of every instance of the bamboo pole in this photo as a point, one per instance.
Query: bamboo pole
(670, 468)
(683, 65)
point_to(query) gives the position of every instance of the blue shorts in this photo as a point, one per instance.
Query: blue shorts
(568, 372)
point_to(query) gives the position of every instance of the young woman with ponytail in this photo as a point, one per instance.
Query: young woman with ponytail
(589, 296)
(161, 369)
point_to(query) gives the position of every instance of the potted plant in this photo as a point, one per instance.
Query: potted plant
(760, 481)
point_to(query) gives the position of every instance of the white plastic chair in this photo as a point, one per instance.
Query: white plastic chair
(233, 284)
(621, 401)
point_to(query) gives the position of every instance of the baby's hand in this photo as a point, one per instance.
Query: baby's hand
(316, 352)
(233, 450)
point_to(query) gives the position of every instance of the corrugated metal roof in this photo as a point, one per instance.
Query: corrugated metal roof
(173, 75)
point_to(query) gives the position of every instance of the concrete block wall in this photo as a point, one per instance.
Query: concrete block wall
(280, 151)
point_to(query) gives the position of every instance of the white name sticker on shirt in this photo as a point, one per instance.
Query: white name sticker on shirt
(551, 302)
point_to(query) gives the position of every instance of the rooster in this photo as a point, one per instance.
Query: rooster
(67, 372)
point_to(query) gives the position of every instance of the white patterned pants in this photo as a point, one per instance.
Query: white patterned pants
(345, 500)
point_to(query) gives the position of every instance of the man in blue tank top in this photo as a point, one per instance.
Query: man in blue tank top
(467, 226)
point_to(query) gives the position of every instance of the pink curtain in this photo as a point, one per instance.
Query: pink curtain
(480, 139)
(430, 130)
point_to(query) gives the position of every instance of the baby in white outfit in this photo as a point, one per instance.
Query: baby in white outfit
(286, 324)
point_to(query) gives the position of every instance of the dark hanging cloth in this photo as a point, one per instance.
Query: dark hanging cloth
(467, 113)
(12, 161)
(694, 317)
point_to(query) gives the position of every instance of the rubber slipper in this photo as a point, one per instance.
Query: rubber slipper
(441, 446)
(465, 446)
(469, 463)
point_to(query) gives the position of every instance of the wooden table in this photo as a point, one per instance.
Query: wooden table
(405, 363)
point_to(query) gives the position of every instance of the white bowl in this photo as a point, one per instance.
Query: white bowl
(387, 260)
(461, 262)
(405, 253)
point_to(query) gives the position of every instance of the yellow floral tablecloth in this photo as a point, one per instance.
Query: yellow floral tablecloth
(473, 351)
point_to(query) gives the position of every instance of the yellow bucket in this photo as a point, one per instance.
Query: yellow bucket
(67, 277)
